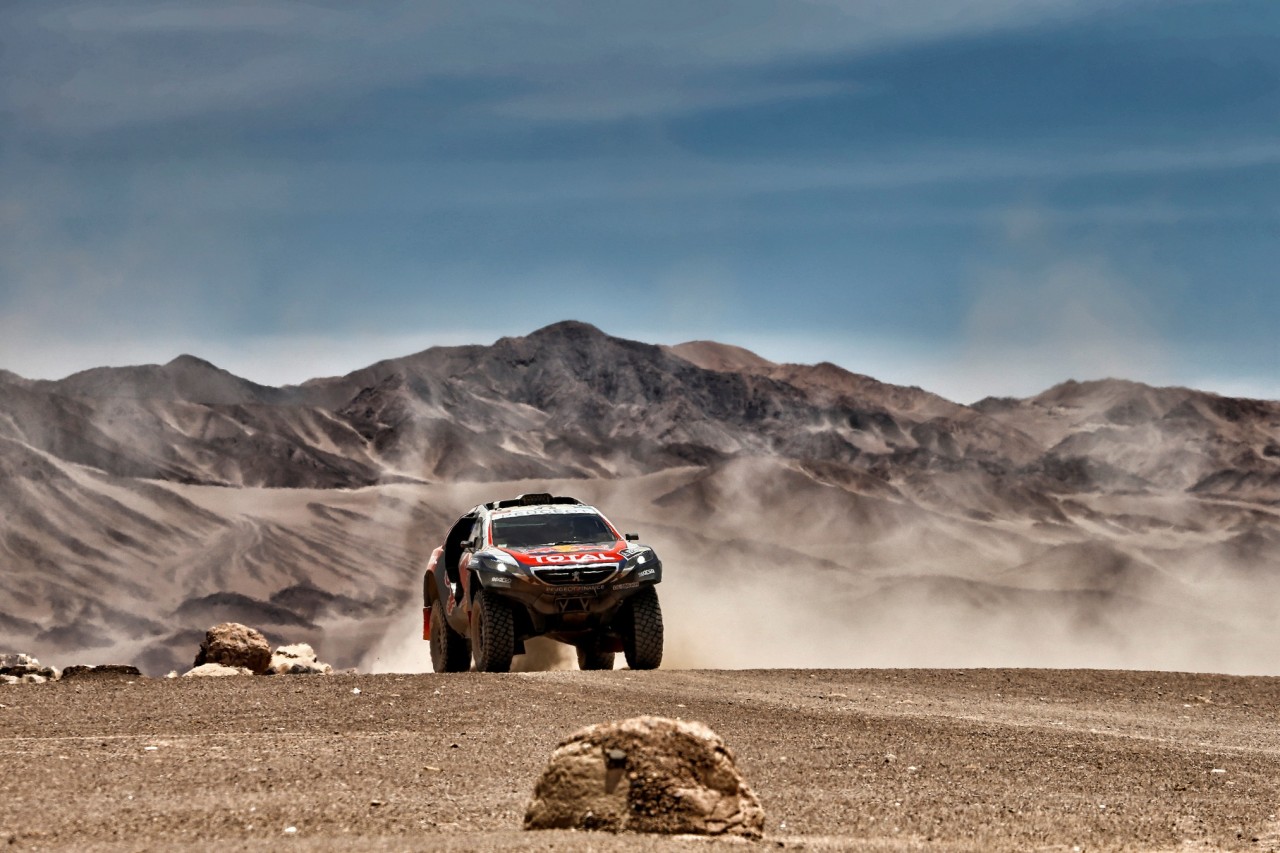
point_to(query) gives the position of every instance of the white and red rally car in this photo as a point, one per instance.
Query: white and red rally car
(540, 566)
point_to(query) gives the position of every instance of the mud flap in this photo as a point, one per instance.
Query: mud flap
(426, 623)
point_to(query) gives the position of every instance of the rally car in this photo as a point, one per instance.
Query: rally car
(540, 566)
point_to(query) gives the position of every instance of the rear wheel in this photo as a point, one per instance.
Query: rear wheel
(591, 656)
(450, 651)
(493, 633)
(642, 630)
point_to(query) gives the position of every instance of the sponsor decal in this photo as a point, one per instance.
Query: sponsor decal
(631, 552)
(632, 585)
(570, 559)
(647, 572)
(500, 580)
(551, 549)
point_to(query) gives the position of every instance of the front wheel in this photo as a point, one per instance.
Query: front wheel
(493, 633)
(642, 630)
(450, 651)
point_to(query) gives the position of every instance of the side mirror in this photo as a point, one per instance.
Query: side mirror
(633, 537)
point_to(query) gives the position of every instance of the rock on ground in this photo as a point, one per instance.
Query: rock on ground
(298, 659)
(20, 668)
(106, 670)
(235, 645)
(646, 774)
(214, 670)
(27, 678)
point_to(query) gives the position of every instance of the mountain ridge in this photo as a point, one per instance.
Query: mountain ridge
(135, 501)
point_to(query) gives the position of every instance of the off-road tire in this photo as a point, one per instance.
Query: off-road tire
(450, 651)
(493, 633)
(591, 656)
(642, 630)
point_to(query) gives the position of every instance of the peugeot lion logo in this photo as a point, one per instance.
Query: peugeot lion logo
(577, 576)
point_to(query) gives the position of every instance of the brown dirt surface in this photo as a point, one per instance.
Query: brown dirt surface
(876, 760)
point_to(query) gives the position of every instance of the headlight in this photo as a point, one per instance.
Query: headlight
(637, 560)
(500, 562)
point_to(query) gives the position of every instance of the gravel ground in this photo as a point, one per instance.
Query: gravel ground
(876, 760)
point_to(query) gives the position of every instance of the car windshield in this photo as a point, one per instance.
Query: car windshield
(526, 531)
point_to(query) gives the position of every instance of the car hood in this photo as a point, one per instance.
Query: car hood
(568, 555)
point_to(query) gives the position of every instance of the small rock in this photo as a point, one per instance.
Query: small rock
(215, 670)
(233, 644)
(19, 665)
(298, 659)
(647, 774)
(107, 670)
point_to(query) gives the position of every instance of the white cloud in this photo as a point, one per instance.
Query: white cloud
(596, 99)
(396, 187)
(81, 67)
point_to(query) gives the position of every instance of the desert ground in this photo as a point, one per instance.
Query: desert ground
(873, 760)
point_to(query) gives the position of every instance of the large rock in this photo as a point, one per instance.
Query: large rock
(235, 645)
(646, 774)
(298, 659)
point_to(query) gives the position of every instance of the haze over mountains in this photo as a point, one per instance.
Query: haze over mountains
(806, 515)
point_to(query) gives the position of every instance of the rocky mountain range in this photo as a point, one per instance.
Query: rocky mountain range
(807, 514)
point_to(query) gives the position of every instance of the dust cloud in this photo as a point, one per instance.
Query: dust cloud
(1049, 312)
(780, 616)
(402, 650)
(1092, 603)
(918, 624)
(764, 567)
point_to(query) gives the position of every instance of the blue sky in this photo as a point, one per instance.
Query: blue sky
(981, 197)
